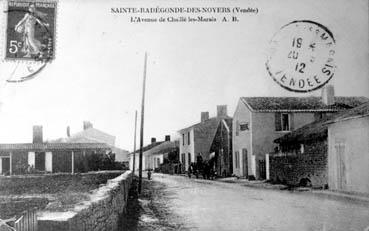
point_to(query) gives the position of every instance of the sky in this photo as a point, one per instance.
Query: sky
(192, 67)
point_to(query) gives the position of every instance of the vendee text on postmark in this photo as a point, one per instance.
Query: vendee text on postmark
(301, 56)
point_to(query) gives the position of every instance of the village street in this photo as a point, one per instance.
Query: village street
(180, 203)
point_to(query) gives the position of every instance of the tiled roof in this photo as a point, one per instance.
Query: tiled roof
(205, 133)
(53, 146)
(120, 154)
(148, 147)
(360, 111)
(165, 147)
(206, 123)
(92, 134)
(272, 104)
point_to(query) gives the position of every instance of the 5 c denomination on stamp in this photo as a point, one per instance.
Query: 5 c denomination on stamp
(301, 57)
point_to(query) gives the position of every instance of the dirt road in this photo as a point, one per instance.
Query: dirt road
(176, 203)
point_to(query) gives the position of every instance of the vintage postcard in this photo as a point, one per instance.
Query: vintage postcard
(184, 115)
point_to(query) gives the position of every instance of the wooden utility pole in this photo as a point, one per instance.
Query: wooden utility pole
(142, 125)
(134, 146)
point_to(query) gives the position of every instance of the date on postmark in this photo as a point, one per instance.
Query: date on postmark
(301, 57)
(30, 31)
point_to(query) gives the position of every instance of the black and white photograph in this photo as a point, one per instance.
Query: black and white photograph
(234, 115)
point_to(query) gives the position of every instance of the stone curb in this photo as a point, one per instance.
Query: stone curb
(340, 196)
(322, 193)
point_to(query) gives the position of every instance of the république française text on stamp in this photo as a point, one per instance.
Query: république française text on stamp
(301, 57)
(30, 34)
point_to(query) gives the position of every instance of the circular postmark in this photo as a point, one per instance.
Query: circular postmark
(21, 72)
(301, 57)
(30, 36)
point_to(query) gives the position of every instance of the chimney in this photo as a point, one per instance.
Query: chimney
(153, 140)
(167, 138)
(37, 134)
(328, 95)
(204, 116)
(68, 131)
(221, 110)
(87, 125)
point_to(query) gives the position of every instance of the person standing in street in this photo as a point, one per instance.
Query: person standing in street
(189, 172)
(149, 174)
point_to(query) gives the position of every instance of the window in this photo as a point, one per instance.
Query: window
(189, 159)
(188, 138)
(237, 159)
(283, 121)
(183, 158)
(244, 126)
(183, 139)
(183, 162)
(244, 153)
(237, 128)
(318, 116)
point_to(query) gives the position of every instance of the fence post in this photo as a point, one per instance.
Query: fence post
(72, 162)
(267, 167)
(11, 163)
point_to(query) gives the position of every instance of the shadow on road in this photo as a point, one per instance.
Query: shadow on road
(149, 210)
(129, 219)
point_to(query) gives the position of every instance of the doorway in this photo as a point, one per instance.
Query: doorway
(245, 163)
(5, 166)
(341, 166)
(189, 160)
(40, 161)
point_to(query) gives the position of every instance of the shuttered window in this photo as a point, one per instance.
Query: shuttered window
(278, 122)
(291, 115)
(244, 126)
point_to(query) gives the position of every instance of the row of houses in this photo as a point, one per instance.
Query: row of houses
(264, 130)
(155, 154)
(211, 137)
(75, 153)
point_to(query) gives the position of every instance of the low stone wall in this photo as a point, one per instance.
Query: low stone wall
(101, 212)
(291, 168)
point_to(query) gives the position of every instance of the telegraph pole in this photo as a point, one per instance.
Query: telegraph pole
(142, 125)
(134, 146)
